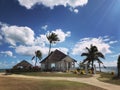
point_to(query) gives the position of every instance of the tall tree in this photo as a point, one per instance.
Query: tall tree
(92, 55)
(118, 66)
(38, 55)
(52, 38)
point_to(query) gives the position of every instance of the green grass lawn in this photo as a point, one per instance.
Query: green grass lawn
(55, 74)
(7, 83)
(109, 78)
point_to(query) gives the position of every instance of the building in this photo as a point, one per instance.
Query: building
(58, 61)
(23, 65)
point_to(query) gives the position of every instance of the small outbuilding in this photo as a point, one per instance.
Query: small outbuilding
(23, 65)
(58, 61)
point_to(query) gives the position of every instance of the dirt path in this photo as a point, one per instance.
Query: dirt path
(91, 81)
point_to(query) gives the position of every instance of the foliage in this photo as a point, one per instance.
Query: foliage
(82, 72)
(38, 55)
(52, 38)
(92, 55)
(118, 66)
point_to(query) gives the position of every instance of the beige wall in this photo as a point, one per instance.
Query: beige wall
(63, 65)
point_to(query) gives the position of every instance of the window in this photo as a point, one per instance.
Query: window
(52, 65)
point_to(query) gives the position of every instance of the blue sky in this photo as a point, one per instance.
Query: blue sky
(78, 23)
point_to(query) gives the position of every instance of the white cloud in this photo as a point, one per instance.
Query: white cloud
(62, 35)
(41, 44)
(15, 34)
(62, 49)
(112, 42)
(44, 27)
(76, 10)
(7, 53)
(52, 3)
(41, 40)
(103, 46)
(30, 50)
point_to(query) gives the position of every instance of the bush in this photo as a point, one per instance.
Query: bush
(76, 72)
(20, 70)
(112, 73)
(90, 71)
(82, 72)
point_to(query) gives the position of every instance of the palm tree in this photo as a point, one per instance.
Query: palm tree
(38, 55)
(118, 66)
(92, 55)
(52, 38)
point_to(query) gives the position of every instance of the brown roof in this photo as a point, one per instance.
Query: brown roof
(24, 64)
(54, 57)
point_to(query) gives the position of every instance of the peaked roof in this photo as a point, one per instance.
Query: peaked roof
(54, 57)
(23, 63)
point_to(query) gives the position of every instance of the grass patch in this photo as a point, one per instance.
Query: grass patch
(7, 83)
(109, 78)
(55, 74)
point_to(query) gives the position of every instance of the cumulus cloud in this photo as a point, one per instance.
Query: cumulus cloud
(41, 43)
(74, 10)
(112, 42)
(52, 3)
(100, 42)
(62, 35)
(30, 50)
(24, 42)
(7, 53)
(42, 40)
(44, 27)
(62, 49)
(15, 34)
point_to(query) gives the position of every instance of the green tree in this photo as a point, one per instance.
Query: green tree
(38, 55)
(118, 66)
(92, 55)
(52, 38)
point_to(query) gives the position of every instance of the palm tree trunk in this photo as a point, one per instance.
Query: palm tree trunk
(36, 61)
(47, 63)
(92, 67)
(49, 49)
(99, 67)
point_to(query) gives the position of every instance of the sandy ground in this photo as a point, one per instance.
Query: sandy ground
(91, 80)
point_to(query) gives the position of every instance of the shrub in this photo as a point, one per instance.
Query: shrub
(82, 72)
(90, 71)
(112, 73)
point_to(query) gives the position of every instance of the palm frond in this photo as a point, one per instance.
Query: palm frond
(99, 54)
(99, 61)
(33, 57)
(88, 49)
(85, 60)
(84, 54)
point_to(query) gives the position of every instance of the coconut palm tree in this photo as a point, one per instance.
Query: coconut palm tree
(52, 38)
(92, 55)
(38, 55)
(118, 66)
